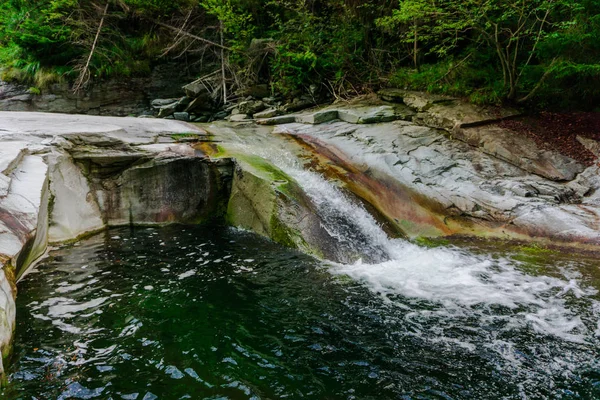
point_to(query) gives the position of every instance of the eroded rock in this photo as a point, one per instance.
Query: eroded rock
(521, 151)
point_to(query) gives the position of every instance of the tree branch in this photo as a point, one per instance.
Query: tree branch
(539, 84)
(85, 71)
(191, 35)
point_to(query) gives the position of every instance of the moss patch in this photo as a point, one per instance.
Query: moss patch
(431, 242)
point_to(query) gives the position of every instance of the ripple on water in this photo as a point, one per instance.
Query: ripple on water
(195, 313)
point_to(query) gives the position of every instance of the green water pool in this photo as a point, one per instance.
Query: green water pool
(216, 313)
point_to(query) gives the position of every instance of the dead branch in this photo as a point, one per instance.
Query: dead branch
(223, 66)
(191, 35)
(85, 72)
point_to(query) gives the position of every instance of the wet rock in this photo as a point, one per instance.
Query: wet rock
(163, 190)
(268, 202)
(426, 183)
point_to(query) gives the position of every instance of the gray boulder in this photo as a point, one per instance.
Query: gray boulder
(195, 89)
(250, 107)
(181, 116)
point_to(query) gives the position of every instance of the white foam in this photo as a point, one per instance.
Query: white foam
(457, 283)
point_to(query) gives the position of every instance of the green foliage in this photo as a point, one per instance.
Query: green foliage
(316, 47)
(489, 51)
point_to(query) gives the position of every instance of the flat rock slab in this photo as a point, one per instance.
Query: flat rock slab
(33, 125)
(420, 101)
(353, 114)
(520, 151)
(455, 114)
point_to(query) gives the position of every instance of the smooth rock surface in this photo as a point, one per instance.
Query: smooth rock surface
(63, 176)
(521, 151)
(269, 113)
(429, 184)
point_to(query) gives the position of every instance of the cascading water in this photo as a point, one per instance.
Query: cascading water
(463, 292)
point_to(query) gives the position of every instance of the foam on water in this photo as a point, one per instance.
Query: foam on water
(459, 284)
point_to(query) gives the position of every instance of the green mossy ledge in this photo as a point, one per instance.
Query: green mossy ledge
(270, 203)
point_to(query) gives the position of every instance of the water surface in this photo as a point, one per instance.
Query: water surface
(215, 313)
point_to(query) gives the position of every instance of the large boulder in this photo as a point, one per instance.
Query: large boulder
(195, 89)
(250, 107)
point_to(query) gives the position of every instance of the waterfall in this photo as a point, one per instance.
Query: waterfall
(488, 290)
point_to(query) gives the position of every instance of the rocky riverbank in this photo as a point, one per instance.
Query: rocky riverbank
(424, 166)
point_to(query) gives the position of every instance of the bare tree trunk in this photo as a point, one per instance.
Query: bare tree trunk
(223, 66)
(416, 48)
(81, 79)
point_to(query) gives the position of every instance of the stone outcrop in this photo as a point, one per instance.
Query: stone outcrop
(427, 184)
(422, 165)
(266, 201)
(269, 202)
(65, 176)
(111, 98)
(114, 97)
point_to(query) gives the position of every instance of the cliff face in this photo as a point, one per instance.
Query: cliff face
(112, 98)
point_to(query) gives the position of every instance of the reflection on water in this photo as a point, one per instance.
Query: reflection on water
(176, 313)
